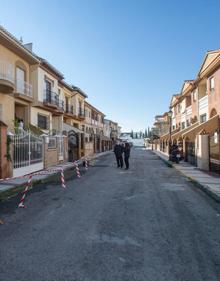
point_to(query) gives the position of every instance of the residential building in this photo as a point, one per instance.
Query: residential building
(195, 116)
(43, 119)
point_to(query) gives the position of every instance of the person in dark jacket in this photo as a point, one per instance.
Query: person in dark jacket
(126, 155)
(118, 150)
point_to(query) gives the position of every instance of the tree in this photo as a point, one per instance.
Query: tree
(132, 134)
(145, 133)
(148, 133)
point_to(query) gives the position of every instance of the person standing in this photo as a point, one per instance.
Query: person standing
(118, 150)
(127, 155)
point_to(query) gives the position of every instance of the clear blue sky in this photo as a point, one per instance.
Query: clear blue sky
(128, 56)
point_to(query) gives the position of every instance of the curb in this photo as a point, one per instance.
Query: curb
(205, 188)
(50, 178)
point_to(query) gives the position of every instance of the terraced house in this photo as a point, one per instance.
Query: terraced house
(42, 117)
(195, 116)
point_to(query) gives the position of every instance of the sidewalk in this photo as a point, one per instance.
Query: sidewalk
(208, 183)
(14, 183)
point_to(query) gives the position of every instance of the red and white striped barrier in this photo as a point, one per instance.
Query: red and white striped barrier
(62, 178)
(86, 163)
(77, 170)
(29, 184)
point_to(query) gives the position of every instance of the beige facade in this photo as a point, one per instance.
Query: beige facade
(195, 118)
(38, 104)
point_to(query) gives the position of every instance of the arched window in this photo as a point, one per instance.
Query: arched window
(213, 113)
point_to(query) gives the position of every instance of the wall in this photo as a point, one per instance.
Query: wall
(8, 110)
(7, 55)
(34, 116)
(214, 97)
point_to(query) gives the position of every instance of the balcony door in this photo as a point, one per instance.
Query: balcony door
(67, 104)
(48, 90)
(20, 79)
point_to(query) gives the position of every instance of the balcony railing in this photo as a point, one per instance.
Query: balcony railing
(81, 112)
(7, 71)
(69, 108)
(203, 102)
(24, 88)
(53, 99)
(189, 110)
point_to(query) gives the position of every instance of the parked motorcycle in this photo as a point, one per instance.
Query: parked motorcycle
(175, 154)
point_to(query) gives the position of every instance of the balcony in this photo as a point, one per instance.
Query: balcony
(203, 103)
(69, 110)
(81, 114)
(23, 90)
(51, 100)
(188, 110)
(7, 81)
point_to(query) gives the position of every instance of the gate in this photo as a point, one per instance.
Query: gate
(214, 161)
(28, 153)
(190, 153)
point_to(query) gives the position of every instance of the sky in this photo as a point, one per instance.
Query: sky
(130, 57)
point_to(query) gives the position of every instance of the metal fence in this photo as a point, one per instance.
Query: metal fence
(28, 149)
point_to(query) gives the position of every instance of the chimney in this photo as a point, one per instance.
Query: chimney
(29, 46)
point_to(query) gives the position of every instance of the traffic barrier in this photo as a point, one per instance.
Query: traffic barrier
(77, 169)
(86, 164)
(29, 184)
(62, 178)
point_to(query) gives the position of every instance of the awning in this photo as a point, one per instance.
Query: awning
(165, 137)
(67, 127)
(180, 133)
(209, 126)
(105, 138)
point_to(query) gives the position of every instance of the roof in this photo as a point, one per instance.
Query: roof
(77, 89)
(86, 103)
(18, 44)
(65, 84)
(51, 67)
(210, 57)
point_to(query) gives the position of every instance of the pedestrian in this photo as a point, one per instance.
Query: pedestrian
(118, 150)
(127, 155)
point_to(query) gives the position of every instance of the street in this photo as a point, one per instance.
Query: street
(147, 223)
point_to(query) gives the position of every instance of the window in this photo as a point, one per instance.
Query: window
(187, 123)
(52, 143)
(183, 125)
(212, 84)
(202, 118)
(43, 121)
(20, 78)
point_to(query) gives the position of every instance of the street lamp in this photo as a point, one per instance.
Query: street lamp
(170, 128)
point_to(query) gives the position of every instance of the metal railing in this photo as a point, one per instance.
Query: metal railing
(203, 102)
(69, 108)
(53, 99)
(24, 88)
(81, 112)
(7, 71)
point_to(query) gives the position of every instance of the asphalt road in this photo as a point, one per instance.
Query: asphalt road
(147, 223)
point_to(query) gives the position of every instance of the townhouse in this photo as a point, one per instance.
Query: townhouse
(43, 119)
(194, 118)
